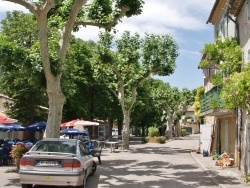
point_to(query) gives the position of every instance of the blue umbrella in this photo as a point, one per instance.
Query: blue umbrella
(2, 126)
(73, 131)
(39, 126)
(13, 127)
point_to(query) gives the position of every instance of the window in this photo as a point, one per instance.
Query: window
(223, 28)
(101, 131)
(248, 9)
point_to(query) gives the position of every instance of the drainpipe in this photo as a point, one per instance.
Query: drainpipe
(239, 131)
(219, 137)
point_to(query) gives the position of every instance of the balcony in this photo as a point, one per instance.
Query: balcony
(211, 104)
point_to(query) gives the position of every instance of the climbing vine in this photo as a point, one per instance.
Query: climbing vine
(224, 56)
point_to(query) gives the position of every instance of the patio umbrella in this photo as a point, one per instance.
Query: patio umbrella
(39, 126)
(7, 120)
(78, 122)
(86, 123)
(13, 127)
(2, 126)
(72, 131)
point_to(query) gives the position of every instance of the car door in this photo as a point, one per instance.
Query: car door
(86, 158)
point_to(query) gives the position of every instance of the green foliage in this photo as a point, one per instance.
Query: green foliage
(247, 178)
(146, 111)
(183, 132)
(135, 7)
(162, 139)
(100, 11)
(235, 92)
(80, 85)
(105, 11)
(159, 54)
(56, 24)
(224, 56)
(197, 105)
(126, 66)
(153, 131)
(22, 78)
(227, 58)
(172, 100)
(216, 104)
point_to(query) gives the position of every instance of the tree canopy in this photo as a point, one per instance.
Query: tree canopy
(235, 92)
(22, 78)
(126, 63)
(224, 56)
(56, 20)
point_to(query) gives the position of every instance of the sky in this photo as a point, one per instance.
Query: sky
(184, 20)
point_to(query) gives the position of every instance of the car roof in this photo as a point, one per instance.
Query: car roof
(59, 139)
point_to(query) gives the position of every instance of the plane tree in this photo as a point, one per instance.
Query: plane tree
(56, 20)
(173, 102)
(146, 112)
(126, 63)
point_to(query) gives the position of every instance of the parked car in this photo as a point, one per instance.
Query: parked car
(57, 162)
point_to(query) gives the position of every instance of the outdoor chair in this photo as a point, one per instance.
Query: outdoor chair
(97, 153)
(5, 156)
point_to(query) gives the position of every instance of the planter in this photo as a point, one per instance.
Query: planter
(153, 140)
(159, 140)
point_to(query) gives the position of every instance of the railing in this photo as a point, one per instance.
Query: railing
(211, 100)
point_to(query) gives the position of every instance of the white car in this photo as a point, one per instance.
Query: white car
(57, 162)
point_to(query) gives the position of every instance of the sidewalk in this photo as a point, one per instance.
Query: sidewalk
(229, 177)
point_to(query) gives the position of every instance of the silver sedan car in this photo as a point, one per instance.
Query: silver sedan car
(57, 162)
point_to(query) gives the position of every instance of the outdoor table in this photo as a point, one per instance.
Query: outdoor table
(100, 141)
(112, 145)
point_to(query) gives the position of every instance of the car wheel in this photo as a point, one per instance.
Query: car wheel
(27, 185)
(93, 169)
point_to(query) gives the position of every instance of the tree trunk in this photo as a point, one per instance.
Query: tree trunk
(169, 131)
(56, 102)
(120, 123)
(125, 131)
(110, 124)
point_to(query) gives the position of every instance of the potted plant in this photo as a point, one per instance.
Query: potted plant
(153, 136)
(17, 152)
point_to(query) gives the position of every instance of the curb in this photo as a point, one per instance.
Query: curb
(211, 176)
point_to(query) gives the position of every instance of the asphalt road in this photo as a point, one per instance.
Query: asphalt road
(143, 166)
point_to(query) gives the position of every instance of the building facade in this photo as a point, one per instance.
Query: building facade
(231, 128)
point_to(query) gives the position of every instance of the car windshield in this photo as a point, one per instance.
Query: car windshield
(55, 146)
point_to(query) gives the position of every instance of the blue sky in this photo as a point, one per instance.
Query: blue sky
(185, 20)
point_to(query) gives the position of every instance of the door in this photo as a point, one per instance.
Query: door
(205, 137)
(226, 135)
